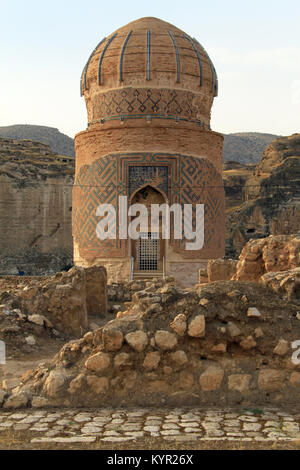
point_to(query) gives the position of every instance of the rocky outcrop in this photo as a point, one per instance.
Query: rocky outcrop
(235, 337)
(272, 254)
(286, 283)
(35, 208)
(271, 197)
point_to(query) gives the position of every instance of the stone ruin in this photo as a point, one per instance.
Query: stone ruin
(224, 342)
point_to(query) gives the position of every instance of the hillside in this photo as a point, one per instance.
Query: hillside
(243, 147)
(58, 142)
(246, 147)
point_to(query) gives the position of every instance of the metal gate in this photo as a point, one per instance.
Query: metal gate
(148, 252)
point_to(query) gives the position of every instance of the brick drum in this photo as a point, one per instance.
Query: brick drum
(149, 89)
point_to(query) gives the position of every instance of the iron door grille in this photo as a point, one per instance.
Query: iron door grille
(148, 251)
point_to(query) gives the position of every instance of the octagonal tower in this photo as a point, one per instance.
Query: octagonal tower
(149, 89)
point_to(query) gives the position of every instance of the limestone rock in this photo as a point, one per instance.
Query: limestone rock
(271, 380)
(179, 324)
(40, 320)
(98, 362)
(112, 339)
(179, 358)
(55, 383)
(138, 340)
(165, 340)
(17, 400)
(197, 327)
(152, 360)
(268, 255)
(239, 382)
(253, 312)
(286, 283)
(282, 347)
(211, 379)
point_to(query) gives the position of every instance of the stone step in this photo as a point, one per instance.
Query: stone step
(141, 275)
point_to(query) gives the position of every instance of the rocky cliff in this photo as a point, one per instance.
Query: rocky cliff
(267, 200)
(35, 208)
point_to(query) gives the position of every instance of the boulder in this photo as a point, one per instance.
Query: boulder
(55, 383)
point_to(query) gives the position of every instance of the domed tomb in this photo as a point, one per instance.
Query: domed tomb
(149, 88)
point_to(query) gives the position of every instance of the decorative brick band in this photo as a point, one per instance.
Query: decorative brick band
(142, 102)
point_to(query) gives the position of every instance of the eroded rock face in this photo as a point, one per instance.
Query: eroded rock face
(36, 183)
(272, 254)
(286, 283)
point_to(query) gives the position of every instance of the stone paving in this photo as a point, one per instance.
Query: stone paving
(85, 426)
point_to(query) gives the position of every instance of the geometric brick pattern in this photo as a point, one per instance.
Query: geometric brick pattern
(133, 101)
(191, 180)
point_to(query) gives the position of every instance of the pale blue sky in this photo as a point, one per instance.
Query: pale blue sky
(255, 46)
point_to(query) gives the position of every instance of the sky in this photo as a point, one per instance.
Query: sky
(255, 47)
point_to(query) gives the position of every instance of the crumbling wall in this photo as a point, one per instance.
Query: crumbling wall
(222, 343)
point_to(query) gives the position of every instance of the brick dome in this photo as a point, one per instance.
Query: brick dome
(149, 54)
